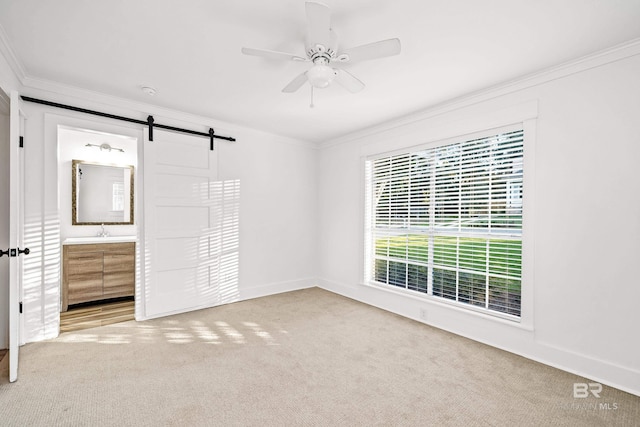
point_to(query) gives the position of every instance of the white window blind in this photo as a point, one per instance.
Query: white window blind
(447, 221)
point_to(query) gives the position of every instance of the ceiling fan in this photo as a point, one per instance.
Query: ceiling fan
(321, 50)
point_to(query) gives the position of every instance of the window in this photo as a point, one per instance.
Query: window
(446, 221)
(117, 196)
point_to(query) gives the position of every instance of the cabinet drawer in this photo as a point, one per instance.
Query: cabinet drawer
(79, 264)
(119, 262)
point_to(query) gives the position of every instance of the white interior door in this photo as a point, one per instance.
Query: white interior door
(16, 249)
(180, 232)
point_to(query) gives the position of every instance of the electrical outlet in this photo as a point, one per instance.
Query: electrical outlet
(423, 313)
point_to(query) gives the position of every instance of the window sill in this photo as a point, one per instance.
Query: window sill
(452, 305)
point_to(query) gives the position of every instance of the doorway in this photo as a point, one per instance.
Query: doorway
(99, 253)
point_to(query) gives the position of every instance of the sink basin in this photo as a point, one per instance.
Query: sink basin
(96, 239)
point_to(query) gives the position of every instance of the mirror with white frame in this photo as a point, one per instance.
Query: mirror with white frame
(101, 194)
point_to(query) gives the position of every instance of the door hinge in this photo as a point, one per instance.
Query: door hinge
(21, 145)
(20, 307)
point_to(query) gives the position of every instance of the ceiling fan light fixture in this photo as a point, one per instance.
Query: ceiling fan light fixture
(320, 76)
(321, 46)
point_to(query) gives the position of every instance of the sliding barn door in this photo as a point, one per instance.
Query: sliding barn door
(180, 218)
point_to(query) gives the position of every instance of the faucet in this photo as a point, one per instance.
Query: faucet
(103, 233)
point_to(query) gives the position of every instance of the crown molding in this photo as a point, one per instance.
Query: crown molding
(69, 94)
(62, 92)
(597, 59)
(74, 95)
(10, 56)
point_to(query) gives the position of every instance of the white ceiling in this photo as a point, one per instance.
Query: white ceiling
(190, 52)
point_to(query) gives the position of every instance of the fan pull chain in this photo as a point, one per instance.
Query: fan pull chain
(311, 105)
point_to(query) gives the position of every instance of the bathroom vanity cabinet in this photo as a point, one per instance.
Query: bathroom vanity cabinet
(97, 271)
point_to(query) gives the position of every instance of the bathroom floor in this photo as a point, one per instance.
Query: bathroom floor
(91, 316)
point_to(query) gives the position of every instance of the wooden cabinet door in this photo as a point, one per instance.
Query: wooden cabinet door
(119, 272)
(84, 276)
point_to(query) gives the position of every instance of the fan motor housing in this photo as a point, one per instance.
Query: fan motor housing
(315, 50)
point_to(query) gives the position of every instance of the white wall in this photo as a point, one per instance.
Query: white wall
(278, 210)
(584, 221)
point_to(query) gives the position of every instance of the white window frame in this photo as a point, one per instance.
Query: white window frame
(463, 126)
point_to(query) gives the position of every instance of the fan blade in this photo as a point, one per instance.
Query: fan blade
(271, 54)
(296, 83)
(374, 50)
(348, 81)
(318, 24)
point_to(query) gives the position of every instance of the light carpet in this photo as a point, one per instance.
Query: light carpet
(308, 357)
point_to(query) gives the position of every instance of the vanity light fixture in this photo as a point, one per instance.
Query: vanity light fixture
(105, 147)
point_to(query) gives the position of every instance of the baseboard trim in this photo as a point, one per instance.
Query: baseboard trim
(242, 294)
(276, 288)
